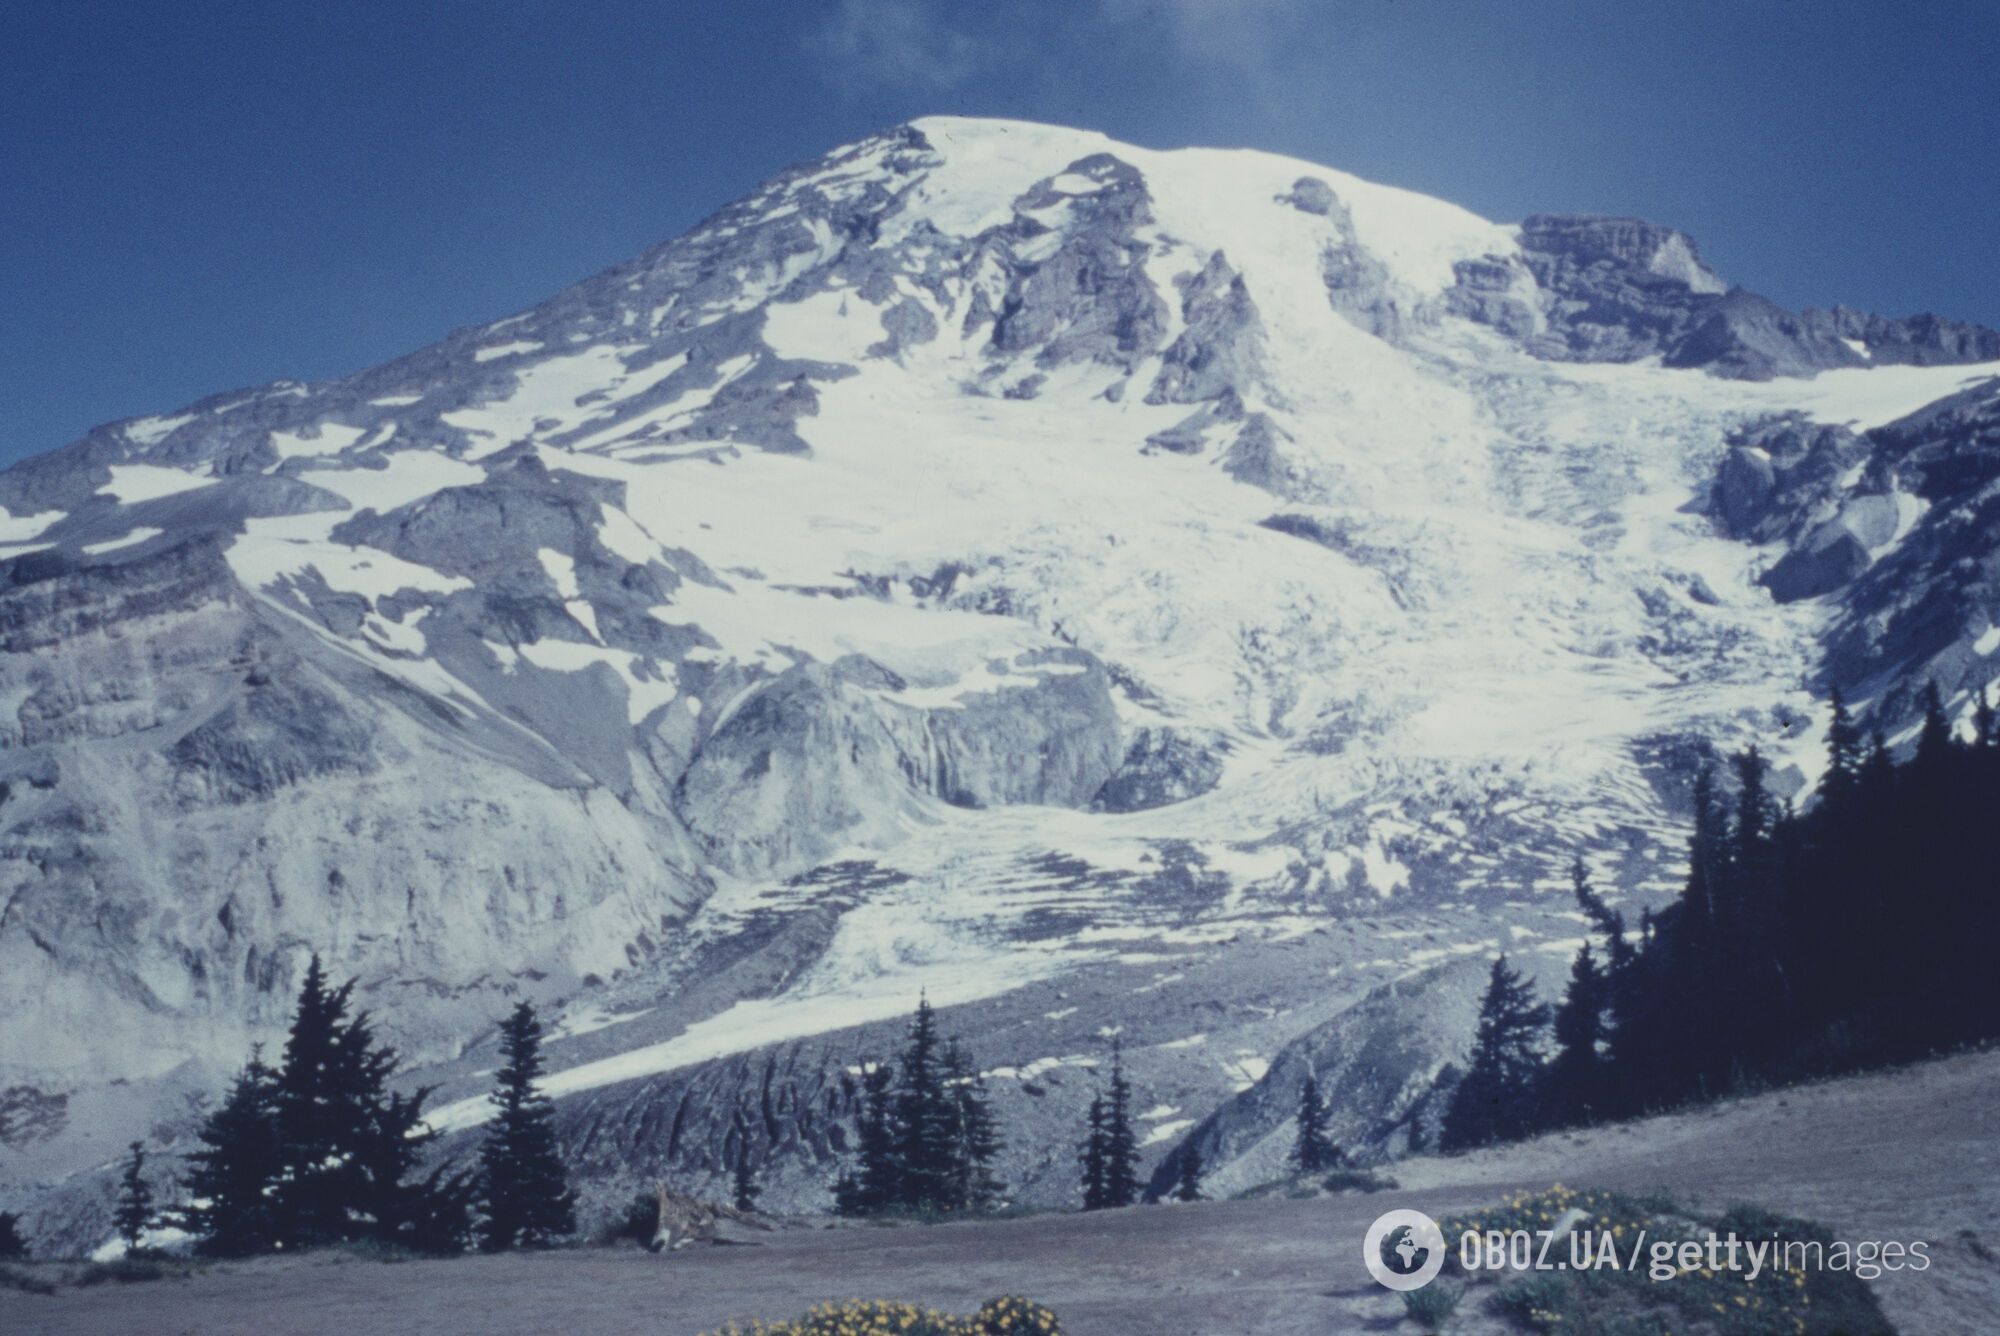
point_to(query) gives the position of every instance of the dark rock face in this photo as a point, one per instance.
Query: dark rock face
(1161, 766)
(1217, 350)
(1621, 289)
(1917, 340)
(1091, 300)
(1618, 288)
(1926, 609)
(1784, 475)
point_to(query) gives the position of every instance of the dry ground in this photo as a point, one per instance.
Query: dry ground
(1912, 1154)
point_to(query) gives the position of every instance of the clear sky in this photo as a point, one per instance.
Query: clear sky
(197, 195)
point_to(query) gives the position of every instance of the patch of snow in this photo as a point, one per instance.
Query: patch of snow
(131, 539)
(495, 350)
(133, 483)
(22, 528)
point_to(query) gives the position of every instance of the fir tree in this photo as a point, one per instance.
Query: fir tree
(1091, 1156)
(13, 1248)
(975, 1137)
(1495, 1101)
(1187, 1185)
(1934, 736)
(1575, 1078)
(924, 1113)
(1844, 750)
(1121, 1144)
(925, 1133)
(134, 1215)
(1313, 1152)
(523, 1192)
(232, 1180)
(321, 1118)
(1985, 720)
(385, 1141)
(876, 1185)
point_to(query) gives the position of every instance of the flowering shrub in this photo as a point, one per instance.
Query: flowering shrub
(1007, 1316)
(1660, 1294)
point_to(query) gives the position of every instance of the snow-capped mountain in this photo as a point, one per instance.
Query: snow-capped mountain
(1179, 591)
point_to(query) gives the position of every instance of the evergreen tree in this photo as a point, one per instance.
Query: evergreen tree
(1934, 736)
(925, 1133)
(1574, 1085)
(232, 1180)
(876, 1186)
(1121, 1144)
(1844, 750)
(1187, 1186)
(743, 1180)
(385, 1141)
(1985, 721)
(1313, 1152)
(321, 1118)
(523, 1191)
(134, 1215)
(975, 1138)
(13, 1248)
(1495, 1101)
(1091, 1155)
(923, 1118)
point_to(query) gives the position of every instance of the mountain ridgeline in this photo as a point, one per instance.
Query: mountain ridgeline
(1200, 594)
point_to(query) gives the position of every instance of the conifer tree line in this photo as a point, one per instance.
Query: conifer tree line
(317, 1150)
(925, 1135)
(1848, 935)
(1109, 1156)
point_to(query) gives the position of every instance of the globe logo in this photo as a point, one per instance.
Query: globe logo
(1403, 1250)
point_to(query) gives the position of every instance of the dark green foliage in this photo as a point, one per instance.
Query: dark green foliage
(318, 1151)
(1574, 1086)
(876, 1187)
(523, 1193)
(1187, 1187)
(232, 1180)
(923, 1118)
(1121, 1145)
(925, 1134)
(134, 1215)
(1091, 1155)
(1314, 1152)
(1849, 935)
(974, 1135)
(1496, 1099)
(13, 1247)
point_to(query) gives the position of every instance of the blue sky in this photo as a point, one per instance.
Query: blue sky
(197, 195)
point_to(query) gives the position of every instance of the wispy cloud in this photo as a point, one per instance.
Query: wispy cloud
(1240, 38)
(901, 44)
(932, 46)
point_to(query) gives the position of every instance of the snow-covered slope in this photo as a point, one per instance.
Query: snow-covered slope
(985, 557)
